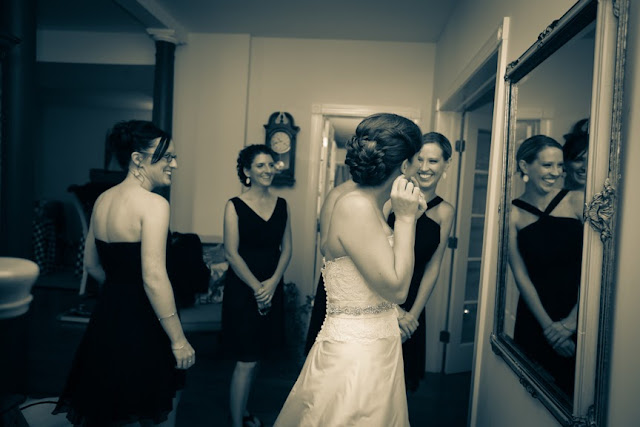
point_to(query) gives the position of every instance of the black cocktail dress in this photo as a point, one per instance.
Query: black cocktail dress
(124, 369)
(551, 248)
(247, 336)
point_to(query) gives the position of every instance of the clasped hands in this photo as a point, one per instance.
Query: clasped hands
(265, 292)
(559, 337)
(407, 323)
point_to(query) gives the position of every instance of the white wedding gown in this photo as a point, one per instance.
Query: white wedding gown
(353, 375)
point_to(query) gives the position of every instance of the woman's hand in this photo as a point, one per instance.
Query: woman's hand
(405, 198)
(556, 333)
(185, 355)
(407, 323)
(566, 348)
(265, 293)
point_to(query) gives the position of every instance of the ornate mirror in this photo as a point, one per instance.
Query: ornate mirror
(561, 174)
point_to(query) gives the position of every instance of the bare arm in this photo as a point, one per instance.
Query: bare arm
(155, 226)
(386, 269)
(268, 287)
(327, 209)
(432, 270)
(286, 249)
(231, 244)
(91, 259)
(523, 282)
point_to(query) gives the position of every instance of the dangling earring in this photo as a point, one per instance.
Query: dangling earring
(248, 181)
(525, 177)
(444, 175)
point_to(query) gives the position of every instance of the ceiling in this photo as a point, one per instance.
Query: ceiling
(374, 20)
(387, 20)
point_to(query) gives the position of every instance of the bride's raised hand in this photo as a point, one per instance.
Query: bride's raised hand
(405, 198)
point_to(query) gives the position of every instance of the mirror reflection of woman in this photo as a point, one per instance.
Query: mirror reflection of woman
(257, 244)
(575, 151)
(425, 168)
(545, 255)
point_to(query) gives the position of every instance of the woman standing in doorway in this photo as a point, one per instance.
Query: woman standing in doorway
(432, 230)
(257, 244)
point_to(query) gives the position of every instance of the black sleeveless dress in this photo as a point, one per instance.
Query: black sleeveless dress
(426, 243)
(124, 369)
(246, 335)
(551, 248)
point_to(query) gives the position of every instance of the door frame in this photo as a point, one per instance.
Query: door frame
(448, 120)
(318, 114)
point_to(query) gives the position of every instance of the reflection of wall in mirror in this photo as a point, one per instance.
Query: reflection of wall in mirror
(559, 89)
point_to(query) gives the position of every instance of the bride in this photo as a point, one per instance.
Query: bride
(353, 374)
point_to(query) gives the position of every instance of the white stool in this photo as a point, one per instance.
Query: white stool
(17, 276)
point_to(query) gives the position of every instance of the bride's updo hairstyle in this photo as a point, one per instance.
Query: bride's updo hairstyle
(381, 143)
(131, 136)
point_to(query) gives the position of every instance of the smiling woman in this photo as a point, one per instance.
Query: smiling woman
(545, 250)
(257, 245)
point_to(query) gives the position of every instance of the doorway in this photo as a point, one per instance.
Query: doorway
(327, 121)
(467, 117)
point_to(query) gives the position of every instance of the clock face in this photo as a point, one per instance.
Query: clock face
(280, 142)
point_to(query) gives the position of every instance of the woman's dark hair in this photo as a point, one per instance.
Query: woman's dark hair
(246, 157)
(531, 146)
(381, 143)
(131, 136)
(576, 143)
(441, 140)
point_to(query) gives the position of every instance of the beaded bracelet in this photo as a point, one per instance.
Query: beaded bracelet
(178, 348)
(166, 317)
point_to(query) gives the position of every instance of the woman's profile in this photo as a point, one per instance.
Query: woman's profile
(130, 363)
(354, 372)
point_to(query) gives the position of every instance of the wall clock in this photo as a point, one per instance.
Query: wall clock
(280, 136)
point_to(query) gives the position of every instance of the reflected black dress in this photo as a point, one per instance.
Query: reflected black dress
(551, 249)
(246, 335)
(124, 369)
(426, 243)
(414, 352)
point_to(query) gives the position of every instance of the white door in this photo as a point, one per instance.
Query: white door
(469, 230)
(326, 179)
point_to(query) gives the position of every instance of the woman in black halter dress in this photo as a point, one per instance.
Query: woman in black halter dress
(428, 233)
(545, 257)
(130, 363)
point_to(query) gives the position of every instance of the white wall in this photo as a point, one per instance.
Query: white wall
(210, 102)
(290, 75)
(95, 48)
(499, 398)
(625, 374)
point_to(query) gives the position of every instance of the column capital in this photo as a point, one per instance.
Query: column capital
(164, 34)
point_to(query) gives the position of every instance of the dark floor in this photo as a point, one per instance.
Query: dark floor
(440, 401)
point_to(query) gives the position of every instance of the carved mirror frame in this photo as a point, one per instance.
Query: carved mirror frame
(603, 176)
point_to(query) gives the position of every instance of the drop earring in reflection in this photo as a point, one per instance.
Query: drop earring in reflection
(525, 178)
(248, 181)
(444, 175)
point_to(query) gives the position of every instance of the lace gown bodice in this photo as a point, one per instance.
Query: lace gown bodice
(353, 375)
(355, 312)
